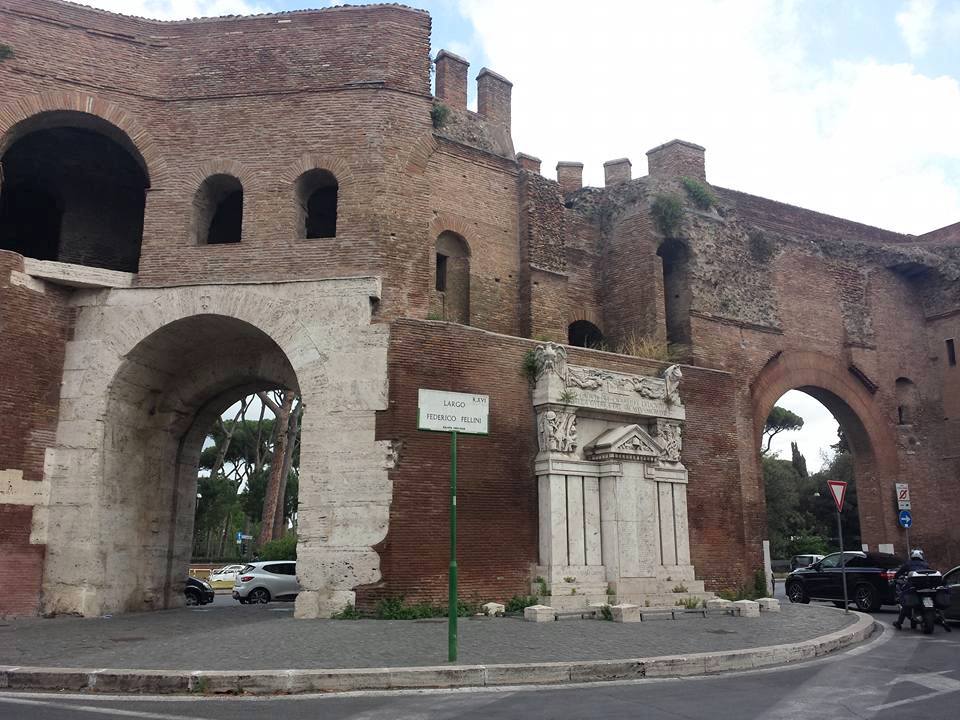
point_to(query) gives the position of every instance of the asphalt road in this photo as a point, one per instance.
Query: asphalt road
(893, 676)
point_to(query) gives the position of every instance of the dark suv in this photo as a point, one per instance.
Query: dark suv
(869, 580)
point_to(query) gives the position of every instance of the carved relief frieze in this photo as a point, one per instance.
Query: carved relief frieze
(557, 431)
(670, 435)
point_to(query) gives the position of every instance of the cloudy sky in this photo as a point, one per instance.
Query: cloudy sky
(851, 108)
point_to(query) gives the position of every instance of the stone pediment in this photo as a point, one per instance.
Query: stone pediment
(628, 442)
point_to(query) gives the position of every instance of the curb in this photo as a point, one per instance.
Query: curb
(265, 682)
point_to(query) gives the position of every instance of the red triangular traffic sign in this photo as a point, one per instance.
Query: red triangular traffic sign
(838, 489)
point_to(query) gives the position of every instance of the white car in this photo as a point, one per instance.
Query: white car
(261, 582)
(226, 574)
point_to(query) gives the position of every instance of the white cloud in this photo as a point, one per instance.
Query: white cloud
(868, 141)
(178, 9)
(916, 23)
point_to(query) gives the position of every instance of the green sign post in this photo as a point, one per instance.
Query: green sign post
(441, 411)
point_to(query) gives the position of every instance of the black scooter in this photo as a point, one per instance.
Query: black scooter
(924, 595)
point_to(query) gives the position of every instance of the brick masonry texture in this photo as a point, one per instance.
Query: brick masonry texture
(496, 492)
(775, 297)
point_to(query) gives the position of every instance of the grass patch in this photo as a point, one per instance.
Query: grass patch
(690, 603)
(349, 612)
(698, 193)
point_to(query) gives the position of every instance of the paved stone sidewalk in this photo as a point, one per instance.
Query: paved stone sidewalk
(268, 637)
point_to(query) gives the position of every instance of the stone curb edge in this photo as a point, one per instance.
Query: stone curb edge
(264, 682)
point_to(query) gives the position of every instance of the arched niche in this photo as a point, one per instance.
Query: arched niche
(452, 278)
(74, 190)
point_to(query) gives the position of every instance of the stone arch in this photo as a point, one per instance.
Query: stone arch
(868, 432)
(75, 187)
(146, 390)
(583, 333)
(419, 155)
(15, 119)
(310, 172)
(211, 182)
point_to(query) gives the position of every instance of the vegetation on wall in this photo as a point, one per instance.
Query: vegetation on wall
(698, 193)
(439, 114)
(762, 248)
(667, 211)
(6, 52)
(644, 346)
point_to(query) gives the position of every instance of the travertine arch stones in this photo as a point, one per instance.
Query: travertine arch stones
(339, 359)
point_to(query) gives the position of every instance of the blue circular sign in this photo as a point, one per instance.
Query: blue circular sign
(906, 519)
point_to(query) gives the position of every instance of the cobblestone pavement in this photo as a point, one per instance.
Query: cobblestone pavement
(268, 637)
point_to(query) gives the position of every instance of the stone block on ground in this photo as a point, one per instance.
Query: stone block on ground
(492, 609)
(746, 608)
(626, 613)
(769, 604)
(539, 613)
(718, 604)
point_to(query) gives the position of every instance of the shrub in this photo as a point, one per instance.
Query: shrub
(690, 603)
(542, 585)
(284, 548)
(529, 367)
(606, 613)
(349, 612)
(439, 114)
(761, 247)
(5, 52)
(395, 608)
(698, 193)
(518, 602)
(681, 588)
(667, 211)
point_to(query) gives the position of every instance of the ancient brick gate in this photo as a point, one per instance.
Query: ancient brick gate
(173, 235)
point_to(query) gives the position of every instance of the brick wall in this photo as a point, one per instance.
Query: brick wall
(497, 498)
(34, 325)
(20, 562)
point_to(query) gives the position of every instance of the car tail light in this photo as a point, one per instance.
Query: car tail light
(888, 575)
(246, 578)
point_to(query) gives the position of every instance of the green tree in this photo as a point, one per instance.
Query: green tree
(779, 420)
(798, 461)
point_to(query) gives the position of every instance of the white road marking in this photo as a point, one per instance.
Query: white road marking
(100, 710)
(937, 681)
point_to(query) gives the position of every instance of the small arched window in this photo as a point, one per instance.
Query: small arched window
(317, 203)
(452, 280)
(218, 210)
(584, 333)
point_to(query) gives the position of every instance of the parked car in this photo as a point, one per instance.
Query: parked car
(799, 561)
(951, 579)
(261, 582)
(869, 580)
(198, 592)
(225, 576)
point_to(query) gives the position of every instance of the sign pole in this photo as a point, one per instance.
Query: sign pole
(843, 565)
(452, 590)
(908, 541)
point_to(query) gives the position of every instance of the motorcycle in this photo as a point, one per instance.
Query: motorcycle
(924, 595)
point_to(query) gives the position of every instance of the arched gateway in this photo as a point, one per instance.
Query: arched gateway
(147, 372)
(853, 404)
